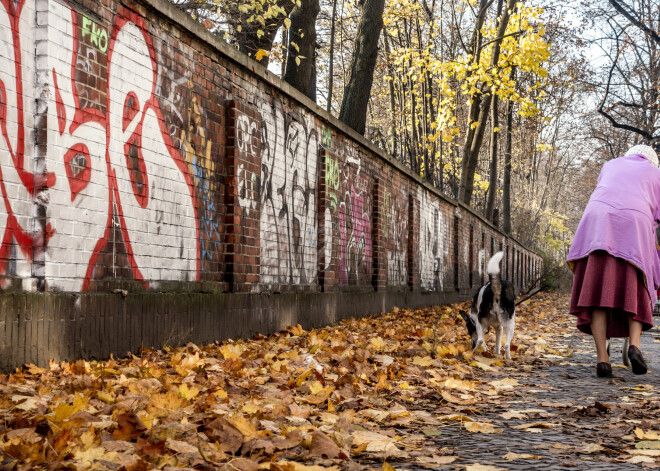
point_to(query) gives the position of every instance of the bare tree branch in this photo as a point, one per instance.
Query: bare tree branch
(635, 21)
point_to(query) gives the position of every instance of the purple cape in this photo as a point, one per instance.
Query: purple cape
(622, 216)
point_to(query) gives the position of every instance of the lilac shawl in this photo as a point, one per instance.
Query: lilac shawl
(622, 216)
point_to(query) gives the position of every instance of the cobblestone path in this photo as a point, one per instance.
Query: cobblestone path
(582, 421)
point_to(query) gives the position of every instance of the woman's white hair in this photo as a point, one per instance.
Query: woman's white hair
(646, 151)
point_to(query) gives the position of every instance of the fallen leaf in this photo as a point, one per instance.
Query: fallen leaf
(507, 383)
(180, 446)
(536, 425)
(648, 445)
(229, 438)
(514, 414)
(644, 452)
(483, 467)
(522, 456)
(481, 427)
(26, 403)
(323, 446)
(640, 459)
(437, 460)
(63, 411)
(455, 400)
(377, 344)
(649, 435)
(422, 361)
(129, 426)
(320, 397)
(590, 449)
(231, 350)
(90, 455)
(295, 466)
(34, 369)
(375, 442)
(246, 427)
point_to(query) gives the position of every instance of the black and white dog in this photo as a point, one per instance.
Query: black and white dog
(493, 305)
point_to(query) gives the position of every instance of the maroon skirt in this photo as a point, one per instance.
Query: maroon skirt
(614, 285)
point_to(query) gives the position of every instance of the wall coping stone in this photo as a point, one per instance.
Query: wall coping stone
(183, 20)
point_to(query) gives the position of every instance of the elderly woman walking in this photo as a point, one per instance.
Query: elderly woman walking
(614, 256)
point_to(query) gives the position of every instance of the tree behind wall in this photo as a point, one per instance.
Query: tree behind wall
(480, 109)
(363, 63)
(302, 48)
(252, 25)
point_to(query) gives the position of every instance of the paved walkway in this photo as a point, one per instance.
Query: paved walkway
(582, 421)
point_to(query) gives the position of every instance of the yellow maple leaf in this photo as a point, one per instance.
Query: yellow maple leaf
(650, 435)
(261, 53)
(90, 455)
(377, 344)
(231, 350)
(146, 418)
(192, 361)
(188, 393)
(63, 411)
(34, 369)
(244, 426)
(105, 396)
(251, 408)
(162, 403)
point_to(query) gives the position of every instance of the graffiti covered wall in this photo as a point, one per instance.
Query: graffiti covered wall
(128, 166)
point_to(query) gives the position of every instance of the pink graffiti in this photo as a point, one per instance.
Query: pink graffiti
(359, 241)
(361, 224)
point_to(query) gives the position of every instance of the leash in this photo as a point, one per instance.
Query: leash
(532, 295)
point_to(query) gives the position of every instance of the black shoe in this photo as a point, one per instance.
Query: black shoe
(637, 360)
(604, 370)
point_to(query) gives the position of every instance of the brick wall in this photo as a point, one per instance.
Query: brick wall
(141, 154)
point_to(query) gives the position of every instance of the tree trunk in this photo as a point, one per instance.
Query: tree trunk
(431, 113)
(492, 186)
(473, 114)
(471, 150)
(363, 63)
(393, 133)
(285, 40)
(331, 57)
(311, 91)
(302, 33)
(506, 184)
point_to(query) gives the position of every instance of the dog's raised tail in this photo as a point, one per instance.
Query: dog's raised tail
(493, 270)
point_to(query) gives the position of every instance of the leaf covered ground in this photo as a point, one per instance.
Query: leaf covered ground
(398, 390)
